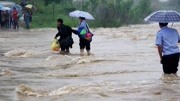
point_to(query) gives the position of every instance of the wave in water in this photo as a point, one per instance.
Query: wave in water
(61, 73)
(21, 53)
(169, 77)
(94, 88)
(69, 89)
(66, 61)
(142, 89)
(140, 32)
(6, 72)
(60, 61)
(25, 90)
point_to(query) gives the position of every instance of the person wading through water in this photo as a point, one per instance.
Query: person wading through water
(167, 43)
(65, 34)
(85, 36)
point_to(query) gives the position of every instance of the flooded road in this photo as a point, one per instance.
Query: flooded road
(124, 66)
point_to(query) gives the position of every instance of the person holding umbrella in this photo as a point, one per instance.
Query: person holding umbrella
(83, 43)
(167, 43)
(85, 36)
(167, 40)
(27, 18)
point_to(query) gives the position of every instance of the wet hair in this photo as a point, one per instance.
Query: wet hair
(163, 24)
(60, 20)
(83, 18)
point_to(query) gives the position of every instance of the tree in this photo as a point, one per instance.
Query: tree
(141, 11)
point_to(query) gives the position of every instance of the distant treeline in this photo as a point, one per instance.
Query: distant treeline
(107, 13)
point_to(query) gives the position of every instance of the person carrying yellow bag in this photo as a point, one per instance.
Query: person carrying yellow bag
(65, 34)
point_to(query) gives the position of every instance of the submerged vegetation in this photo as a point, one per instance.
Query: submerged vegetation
(107, 13)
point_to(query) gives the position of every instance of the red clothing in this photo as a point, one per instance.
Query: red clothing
(15, 15)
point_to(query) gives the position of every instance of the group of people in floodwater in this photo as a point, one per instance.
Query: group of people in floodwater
(10, 19)
(167, 40)
(66, 40)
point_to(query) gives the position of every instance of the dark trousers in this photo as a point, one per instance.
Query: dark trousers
(7, 24)
(85, 44)
(170, 63)
(64, 48)
(66, 43)
(3, 24)
(16, 24)
(0, 22)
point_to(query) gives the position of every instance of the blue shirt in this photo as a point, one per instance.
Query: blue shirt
(168, 39)
(84, 25)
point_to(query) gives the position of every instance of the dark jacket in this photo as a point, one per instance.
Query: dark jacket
(65, 34)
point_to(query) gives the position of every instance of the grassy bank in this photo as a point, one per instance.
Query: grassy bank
(107, 13)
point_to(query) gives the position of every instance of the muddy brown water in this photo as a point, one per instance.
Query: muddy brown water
(124, 67)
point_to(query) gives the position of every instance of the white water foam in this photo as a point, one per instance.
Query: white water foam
(88, 88)
(69, 89)
(2, 40)
(21, 53)
(64, 61)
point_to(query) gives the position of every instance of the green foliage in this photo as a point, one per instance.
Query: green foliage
(107, 13)
(140, 12)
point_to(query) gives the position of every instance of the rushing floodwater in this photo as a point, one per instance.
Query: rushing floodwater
(124, 67)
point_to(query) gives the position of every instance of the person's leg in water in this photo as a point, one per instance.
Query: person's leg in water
(82, 46)
(3, 24)
(62, 51)
(27, 24)
(67, 51)
(88, 47)
(11, 23)
(6, 24)
(170, 64)
(15, 24)
(175, 63)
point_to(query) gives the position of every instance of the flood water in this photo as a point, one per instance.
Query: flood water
(124, 66)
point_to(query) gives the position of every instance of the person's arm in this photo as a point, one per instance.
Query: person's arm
(160, 50)
(57, 35)
(74, 31)
(159, 44)
(178, 37)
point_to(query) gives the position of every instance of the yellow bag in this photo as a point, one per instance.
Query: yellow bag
(55, 46)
